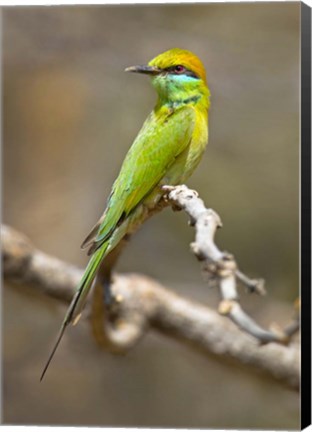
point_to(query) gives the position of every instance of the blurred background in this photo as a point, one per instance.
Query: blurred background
(70, 114)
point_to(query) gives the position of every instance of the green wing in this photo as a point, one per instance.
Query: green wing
(161, 140)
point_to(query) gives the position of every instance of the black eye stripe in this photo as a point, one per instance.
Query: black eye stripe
(172, 70)
(191, 73)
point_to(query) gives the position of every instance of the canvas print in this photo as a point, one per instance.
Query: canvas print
(164, 141)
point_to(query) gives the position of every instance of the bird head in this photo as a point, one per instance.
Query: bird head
(176, 74)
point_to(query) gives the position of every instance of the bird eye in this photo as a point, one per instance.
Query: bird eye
(179, 69)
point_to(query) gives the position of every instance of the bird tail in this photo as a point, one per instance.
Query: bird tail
(75, 308)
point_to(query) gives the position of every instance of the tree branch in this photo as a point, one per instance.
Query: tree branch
(142, 303)
(223, 267)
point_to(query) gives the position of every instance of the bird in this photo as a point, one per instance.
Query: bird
(166, 151)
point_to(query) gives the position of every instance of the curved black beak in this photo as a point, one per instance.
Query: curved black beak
(149, 70)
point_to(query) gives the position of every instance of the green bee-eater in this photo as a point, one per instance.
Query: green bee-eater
(166, 151)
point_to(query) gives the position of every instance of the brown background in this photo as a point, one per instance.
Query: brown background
(70, 114)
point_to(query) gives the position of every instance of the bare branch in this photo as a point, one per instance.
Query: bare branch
(222, 266)
(142, 303)
(253, 285)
